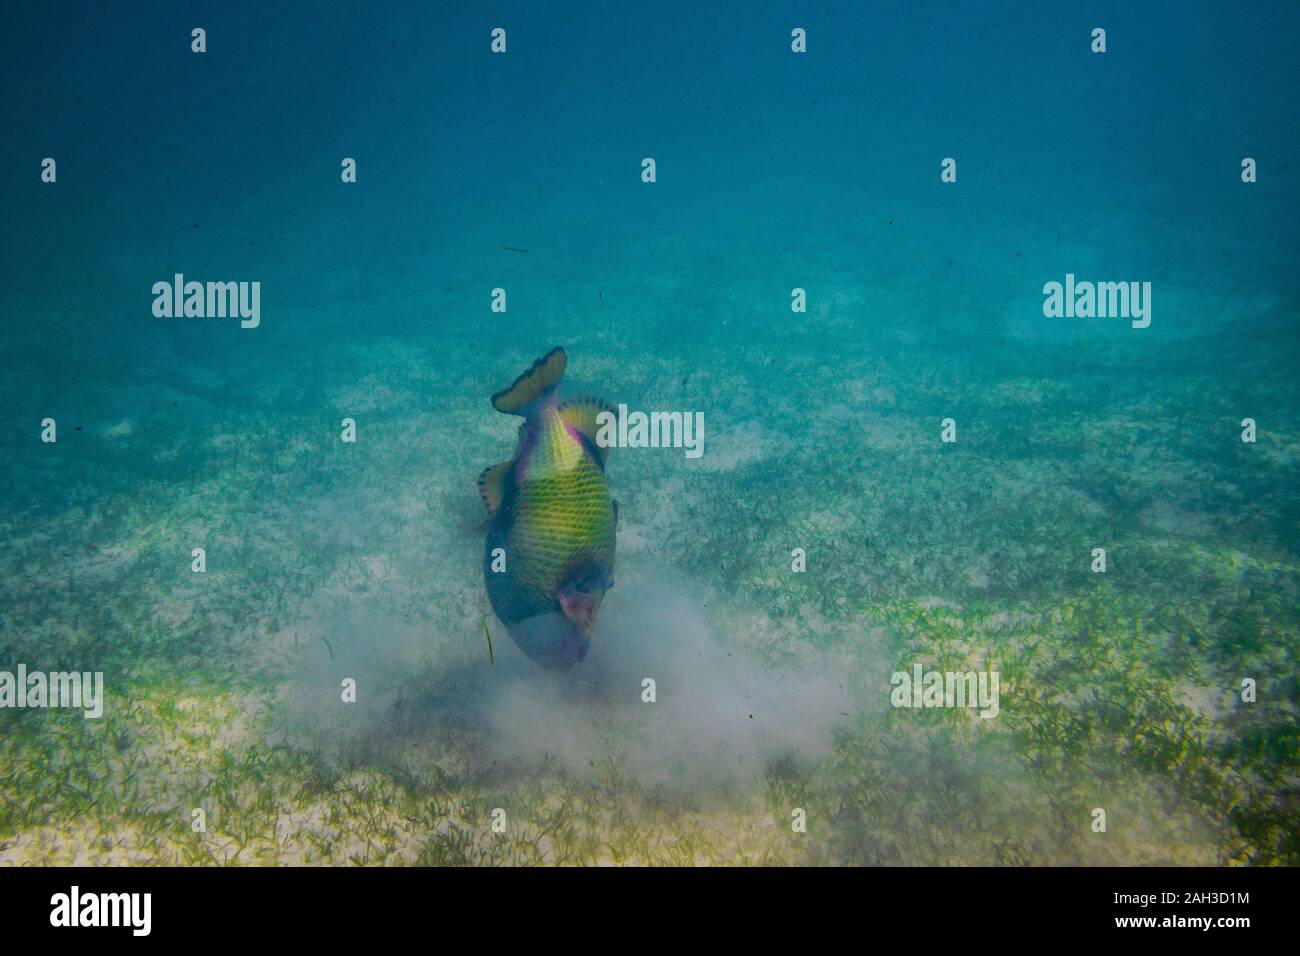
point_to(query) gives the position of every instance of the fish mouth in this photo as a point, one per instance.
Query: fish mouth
(581, 605)
(585, 624)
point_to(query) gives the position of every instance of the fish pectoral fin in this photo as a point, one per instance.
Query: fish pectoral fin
(580, 607)
(581, 413)
(492, 486)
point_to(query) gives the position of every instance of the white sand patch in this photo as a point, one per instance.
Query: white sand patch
(123, 429)
(738, 445)
(1026, 391)
(887, 434)
(631, 540)
(1174, 518)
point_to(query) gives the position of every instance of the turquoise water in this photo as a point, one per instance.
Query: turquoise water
(329, 560)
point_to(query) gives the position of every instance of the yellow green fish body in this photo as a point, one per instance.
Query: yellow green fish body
(549, 556)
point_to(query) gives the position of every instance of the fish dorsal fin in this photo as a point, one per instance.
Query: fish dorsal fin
(538, 381)
(492, 486)
(581, 414)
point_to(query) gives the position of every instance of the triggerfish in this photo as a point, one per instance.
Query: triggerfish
(549, 557)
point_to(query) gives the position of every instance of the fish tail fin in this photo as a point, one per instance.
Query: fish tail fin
(536, 384)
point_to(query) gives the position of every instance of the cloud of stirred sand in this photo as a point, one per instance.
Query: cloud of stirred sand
(718, 713)
(719, 717)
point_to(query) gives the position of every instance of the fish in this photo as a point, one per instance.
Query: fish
(552, 525)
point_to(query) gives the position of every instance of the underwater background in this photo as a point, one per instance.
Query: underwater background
(775, 170)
